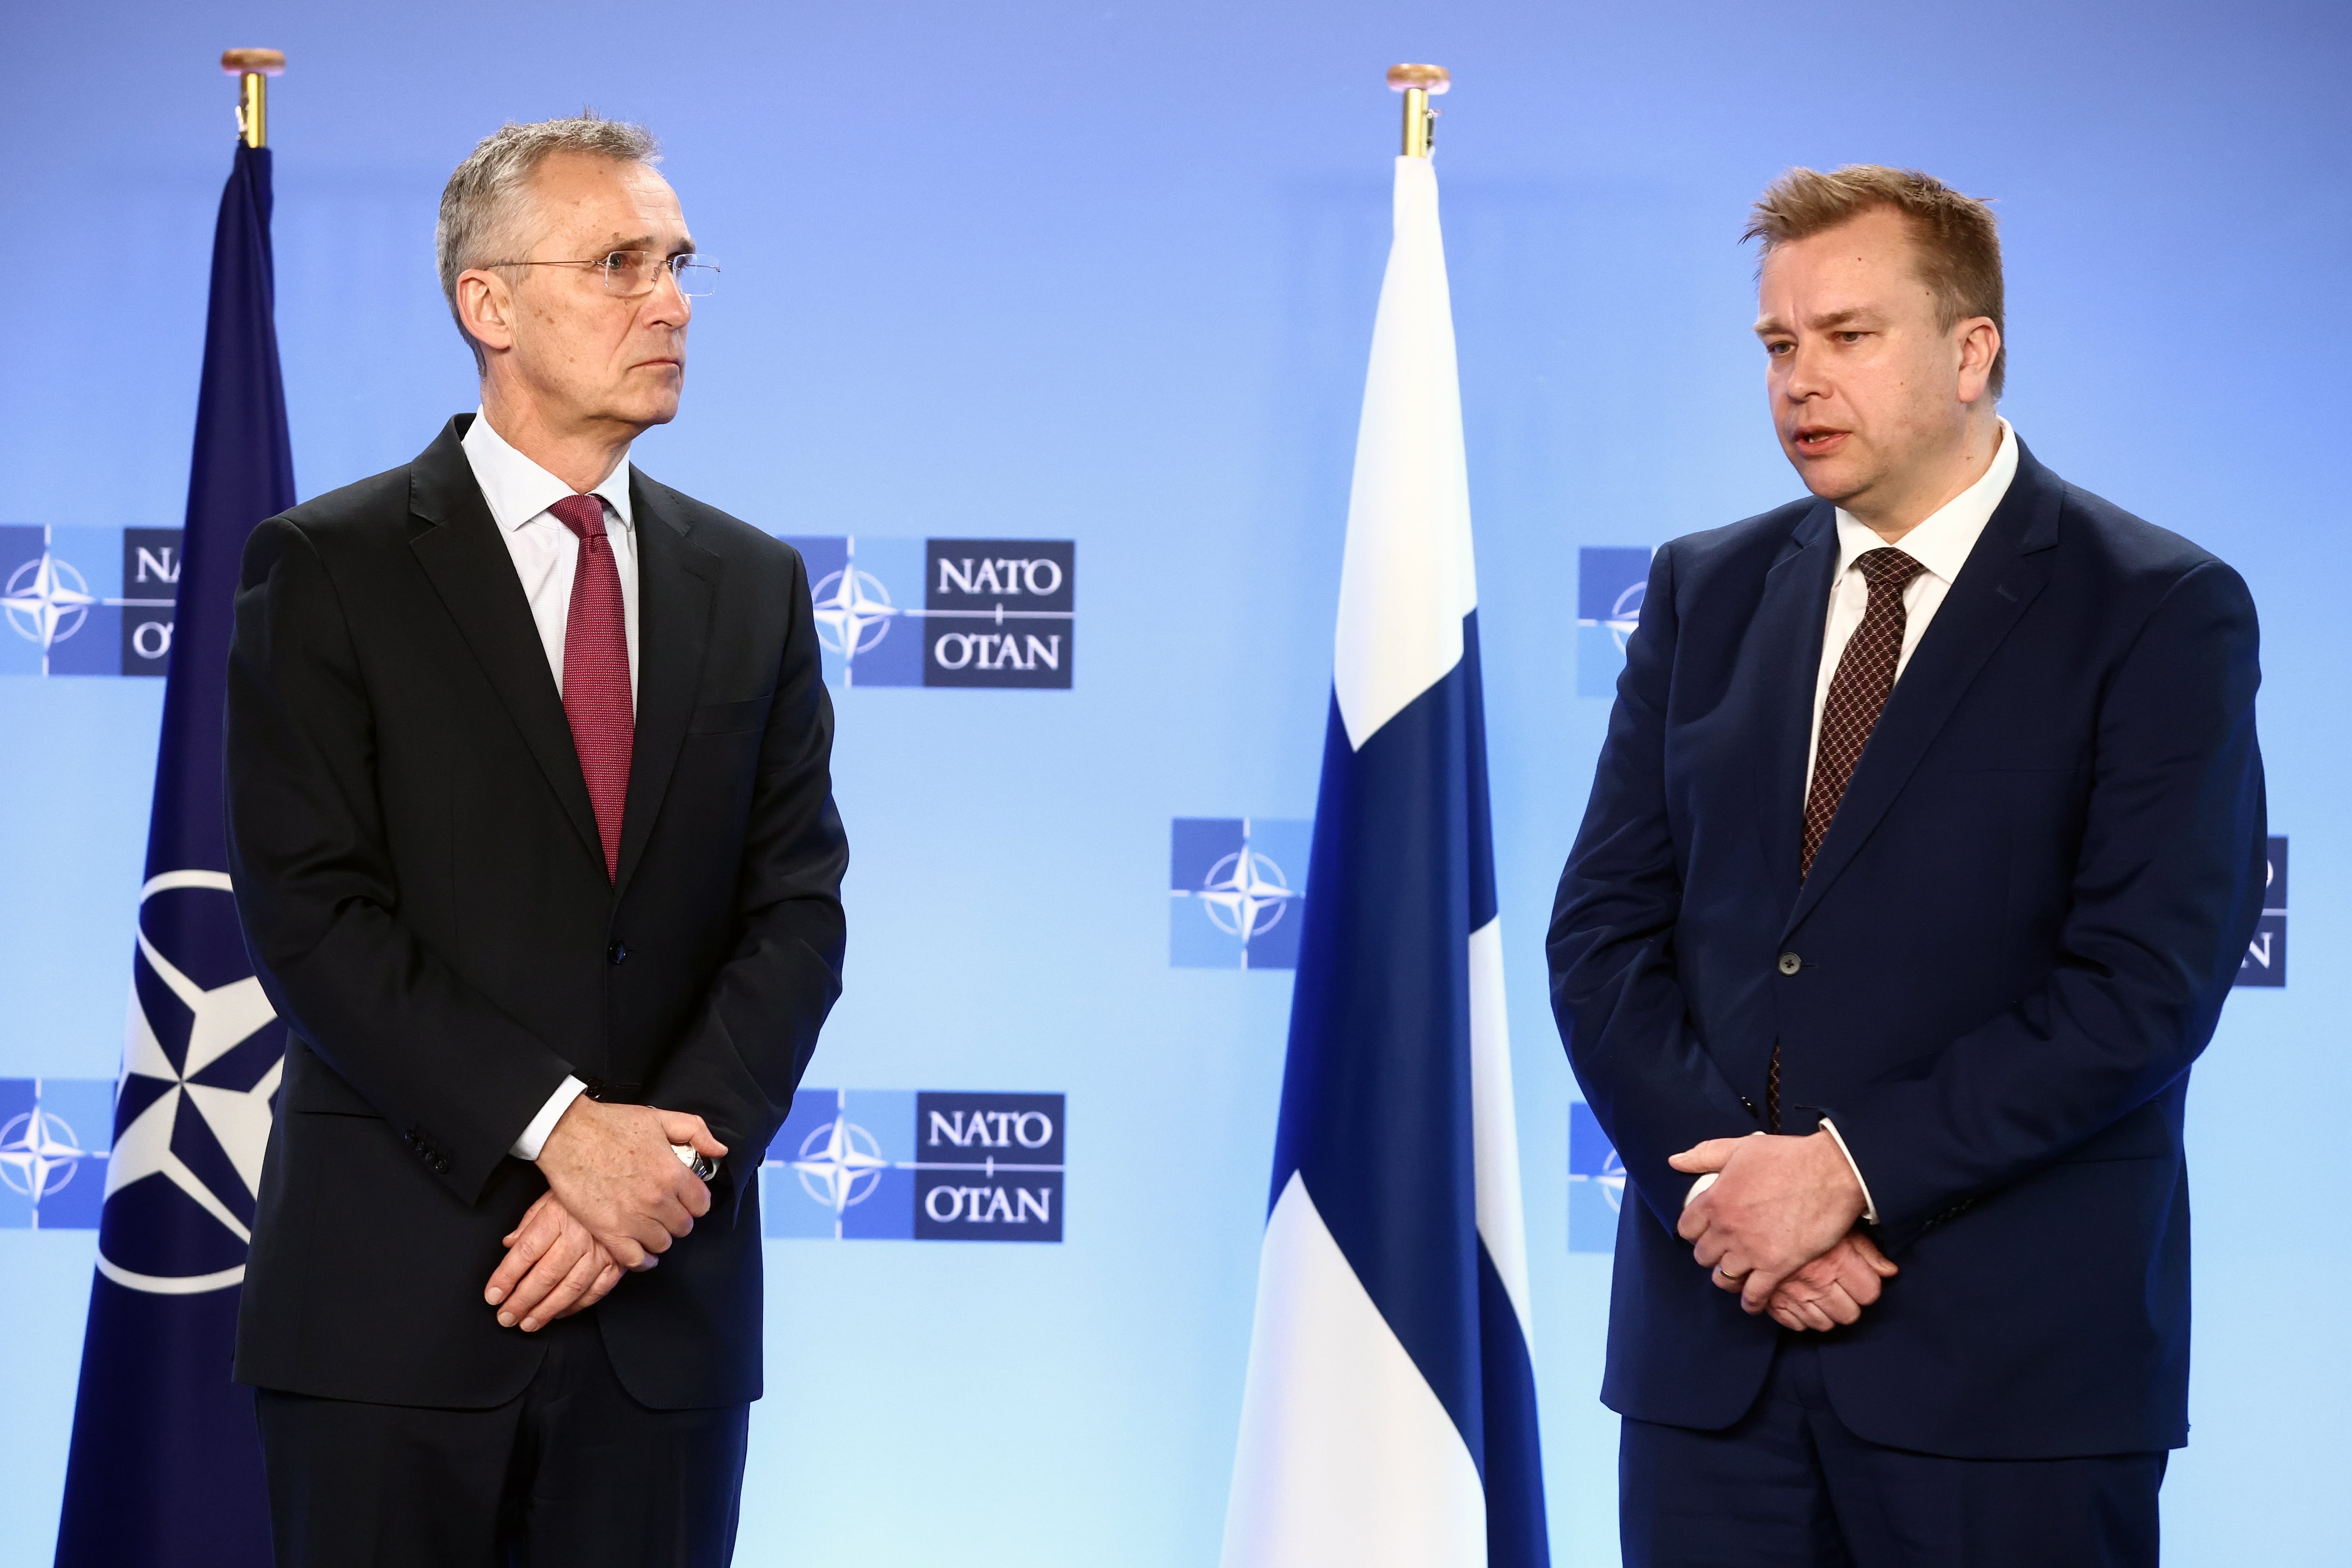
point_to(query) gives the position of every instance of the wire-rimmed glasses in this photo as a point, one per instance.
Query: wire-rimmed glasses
(629, 273)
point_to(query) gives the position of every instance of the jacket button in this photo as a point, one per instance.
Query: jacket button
(618, 952)
(1790, 964)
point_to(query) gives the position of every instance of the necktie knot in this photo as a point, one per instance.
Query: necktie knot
(585, 515)
(1886, 568)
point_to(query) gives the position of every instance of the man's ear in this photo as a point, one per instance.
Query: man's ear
(486, 308)
(1979, 344)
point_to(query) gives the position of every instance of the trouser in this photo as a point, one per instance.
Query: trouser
(573, 1471)
(1789, 1485)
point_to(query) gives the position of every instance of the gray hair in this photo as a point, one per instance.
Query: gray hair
(487, 202)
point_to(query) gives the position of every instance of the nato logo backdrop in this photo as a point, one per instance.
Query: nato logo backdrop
(1236, 892)
(53, 1147)
(1610, 583)
(944, 611)
(87, 601)
(1596, 1183)
(859, 1164)
(2265, 960)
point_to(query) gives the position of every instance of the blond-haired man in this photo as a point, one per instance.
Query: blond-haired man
(533, 838)
(1926, 839)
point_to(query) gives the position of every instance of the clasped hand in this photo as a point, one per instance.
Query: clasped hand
(617, 1197)
(1777, 1226)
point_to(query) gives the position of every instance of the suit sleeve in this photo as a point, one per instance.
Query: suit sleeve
(1639, 1059)
(741, 1058)
(317, 894)
(2166, 894)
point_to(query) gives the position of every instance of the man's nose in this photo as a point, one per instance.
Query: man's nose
(667, 305)
(1803, 378)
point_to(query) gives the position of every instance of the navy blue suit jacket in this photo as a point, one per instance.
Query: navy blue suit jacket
(2014, 940)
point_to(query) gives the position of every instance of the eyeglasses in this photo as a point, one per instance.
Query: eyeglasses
(629, 273)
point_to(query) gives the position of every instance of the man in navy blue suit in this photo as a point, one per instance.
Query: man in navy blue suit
(1926, 839)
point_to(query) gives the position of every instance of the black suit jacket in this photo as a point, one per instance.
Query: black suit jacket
(425, 897)
(2016, 938)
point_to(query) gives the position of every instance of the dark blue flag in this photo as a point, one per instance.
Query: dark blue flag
(165, 1469)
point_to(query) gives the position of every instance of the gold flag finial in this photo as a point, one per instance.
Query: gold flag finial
(1419, 84)
(254, 68)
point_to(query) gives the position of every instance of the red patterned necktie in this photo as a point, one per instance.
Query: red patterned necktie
(1858, 693)
(596, 672)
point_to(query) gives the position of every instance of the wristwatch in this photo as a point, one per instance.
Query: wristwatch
(703, 1166)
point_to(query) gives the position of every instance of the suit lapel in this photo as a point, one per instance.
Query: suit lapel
(2004, 573)
(677, 579)
(1787, 636)
(470, 567)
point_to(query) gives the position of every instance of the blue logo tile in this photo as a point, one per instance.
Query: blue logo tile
(2265, 960)
(997, 612)
(1596, 1183)
(87, 601)
(906, 1165)
(1610, 583)
(1236, 892)
(54, 1139)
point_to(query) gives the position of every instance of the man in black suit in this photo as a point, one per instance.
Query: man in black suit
(1926, 839)
(534, 843)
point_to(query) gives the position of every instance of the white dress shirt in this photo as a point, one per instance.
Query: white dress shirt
(546, 555)
(1941, 544)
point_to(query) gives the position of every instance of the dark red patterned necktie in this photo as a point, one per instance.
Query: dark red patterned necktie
(1858, 693)
(1865, 675)
(596, 672)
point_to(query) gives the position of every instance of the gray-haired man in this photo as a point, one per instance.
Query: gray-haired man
(533, 837)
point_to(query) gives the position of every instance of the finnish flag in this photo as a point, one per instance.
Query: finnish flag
(1390, 1414)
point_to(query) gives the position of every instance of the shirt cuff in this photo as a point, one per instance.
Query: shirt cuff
(534, 1137)
(1869, 1209)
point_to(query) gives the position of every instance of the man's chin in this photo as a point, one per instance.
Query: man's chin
(1837, 480)
(647, 411)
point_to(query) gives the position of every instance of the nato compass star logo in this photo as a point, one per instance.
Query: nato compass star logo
(1596, 1183)
(202, 1057)
(109, 614)
(1611, 583)
(868, 1164)
(1232, 904)
(39, 1154)
(46, 1142)
(840, 1163)
(46, 600)
(854, 612)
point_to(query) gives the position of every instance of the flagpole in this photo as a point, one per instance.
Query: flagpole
(254, 68)
(1419, 84)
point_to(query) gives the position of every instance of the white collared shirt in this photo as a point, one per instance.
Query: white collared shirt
(546, 552)
(546, 555)
(1941, 544)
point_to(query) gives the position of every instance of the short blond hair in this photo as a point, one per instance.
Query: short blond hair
(1957, 236)
(488, 199)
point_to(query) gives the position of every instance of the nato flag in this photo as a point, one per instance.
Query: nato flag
(166, 1471)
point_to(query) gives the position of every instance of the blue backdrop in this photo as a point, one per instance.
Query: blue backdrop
(1104, 274)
